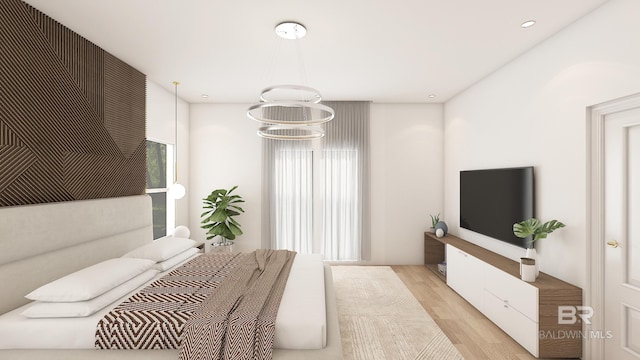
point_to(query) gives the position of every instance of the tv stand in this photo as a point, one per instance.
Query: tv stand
(528, 312)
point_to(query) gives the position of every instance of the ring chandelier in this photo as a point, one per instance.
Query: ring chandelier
(290, 112)
(283, 132)
(284, 92)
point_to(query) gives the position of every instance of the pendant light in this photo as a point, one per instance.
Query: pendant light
(290, 112)
(176, 190)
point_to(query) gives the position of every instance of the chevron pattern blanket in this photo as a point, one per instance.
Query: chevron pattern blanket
(216, 306)
(240, 323)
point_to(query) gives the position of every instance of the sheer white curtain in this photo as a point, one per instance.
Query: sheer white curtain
(316, 193)
(292, 211)
(341, 213)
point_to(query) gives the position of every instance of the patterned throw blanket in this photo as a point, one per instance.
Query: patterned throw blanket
(216, 306)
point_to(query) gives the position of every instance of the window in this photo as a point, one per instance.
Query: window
(159, 175)
(317, 192)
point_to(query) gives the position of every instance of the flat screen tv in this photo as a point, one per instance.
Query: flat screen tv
(492, 200)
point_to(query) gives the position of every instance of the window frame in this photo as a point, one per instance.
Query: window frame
(170, 204)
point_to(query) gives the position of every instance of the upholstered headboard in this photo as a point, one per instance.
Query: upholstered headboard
(40, 243)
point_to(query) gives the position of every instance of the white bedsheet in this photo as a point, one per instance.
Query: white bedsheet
(300, 324)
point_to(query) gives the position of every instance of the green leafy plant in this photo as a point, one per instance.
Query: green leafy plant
(218, 218)
(434, 220)
(534, 227)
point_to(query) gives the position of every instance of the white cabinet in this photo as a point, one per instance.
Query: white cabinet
(509, 302)
(512, 304)
(465, 275)
(517, 293)
(519, 327)
(528, 312)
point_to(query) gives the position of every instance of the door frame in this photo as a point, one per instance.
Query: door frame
(596, 117)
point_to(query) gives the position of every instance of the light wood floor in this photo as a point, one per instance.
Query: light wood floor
(475, 336)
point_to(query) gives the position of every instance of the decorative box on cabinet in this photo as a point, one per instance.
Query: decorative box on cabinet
(528, 312)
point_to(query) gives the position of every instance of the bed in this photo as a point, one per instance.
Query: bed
(40, 243)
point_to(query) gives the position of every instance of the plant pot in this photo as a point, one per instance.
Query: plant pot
(219, 247)
(528, 269)
(532, 254)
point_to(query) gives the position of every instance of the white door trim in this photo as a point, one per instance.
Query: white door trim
(594, 292)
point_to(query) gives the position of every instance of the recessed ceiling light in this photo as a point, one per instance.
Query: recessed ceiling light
(528, 23)
(205, 96)
(431, 96)
(291, 30)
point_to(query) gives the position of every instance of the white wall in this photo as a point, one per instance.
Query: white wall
(406, 170)
(406, 179)
(533, 112)
(225, 151)
(161, 127)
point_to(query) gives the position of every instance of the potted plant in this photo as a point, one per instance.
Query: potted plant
(218, 218)
(535, 228)
(434, 221)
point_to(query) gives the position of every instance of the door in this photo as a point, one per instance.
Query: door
(622, 235)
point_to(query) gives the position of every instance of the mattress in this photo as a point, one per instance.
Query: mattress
(300, 324)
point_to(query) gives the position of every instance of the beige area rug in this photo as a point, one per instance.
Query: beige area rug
(380, 319)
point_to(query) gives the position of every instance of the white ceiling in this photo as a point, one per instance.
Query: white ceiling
(378, 50)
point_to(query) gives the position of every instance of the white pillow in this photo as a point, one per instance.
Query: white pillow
(171, 262)
(161, 249)
(92, 281)
(86, 308)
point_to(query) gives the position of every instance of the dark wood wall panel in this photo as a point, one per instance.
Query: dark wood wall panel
(122, 102)
(72, 116)
(83, 59)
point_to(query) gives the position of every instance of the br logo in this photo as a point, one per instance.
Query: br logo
(568, 314)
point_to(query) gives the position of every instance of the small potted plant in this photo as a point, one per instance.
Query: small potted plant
(535, 228)
(218, 218)
(434, 221)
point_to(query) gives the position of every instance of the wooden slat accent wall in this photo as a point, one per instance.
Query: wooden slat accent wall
(72, 116)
